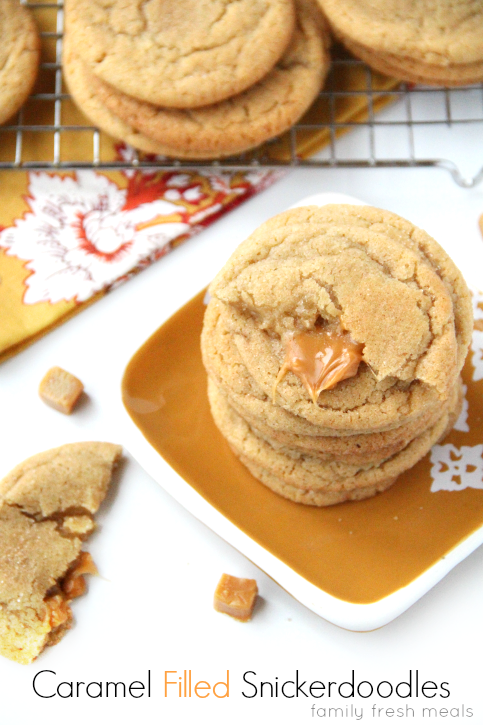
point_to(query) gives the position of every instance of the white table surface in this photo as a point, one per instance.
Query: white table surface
(151, 607)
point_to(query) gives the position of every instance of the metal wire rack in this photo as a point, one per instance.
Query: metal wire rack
(417, 126)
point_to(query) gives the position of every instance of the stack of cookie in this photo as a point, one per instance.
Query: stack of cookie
(333, 342)
(195, 79)
(437, 42)
(19, 56)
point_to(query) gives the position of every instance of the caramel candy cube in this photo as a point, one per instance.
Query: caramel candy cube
(236, 597)
(60, 390)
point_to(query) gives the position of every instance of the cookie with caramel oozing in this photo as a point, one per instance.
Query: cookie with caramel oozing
(384, 282)
(333, 343)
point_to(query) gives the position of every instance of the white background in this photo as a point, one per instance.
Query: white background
(151, 607)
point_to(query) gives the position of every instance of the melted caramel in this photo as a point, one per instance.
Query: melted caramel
(357, 551)
(74, 584)
(58, 610)
(320, 359)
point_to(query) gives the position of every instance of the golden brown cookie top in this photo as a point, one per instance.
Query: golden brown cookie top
(180, 54)
(74, 476)
(79, 82)
(34, 557)
(387, 283)
(435, 31)
(19, 56)
(247, 119)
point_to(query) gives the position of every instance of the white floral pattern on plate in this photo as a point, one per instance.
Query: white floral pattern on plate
(454, 469)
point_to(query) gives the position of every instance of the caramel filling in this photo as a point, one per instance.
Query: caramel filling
(321, 359)
(74, 584)
(59, 614)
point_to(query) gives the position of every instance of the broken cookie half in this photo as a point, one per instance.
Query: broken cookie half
(47, 505)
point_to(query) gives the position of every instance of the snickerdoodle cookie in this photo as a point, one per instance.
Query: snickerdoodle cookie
(382, 280)
(180, 54)
(246, 120)
(439, 42)
(46, 511)
(334, 341)
(19, 56)
(248, 371)
(79, 83)
(307, 472)
(357, 448)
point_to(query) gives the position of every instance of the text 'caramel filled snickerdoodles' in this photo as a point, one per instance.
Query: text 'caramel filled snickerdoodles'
(47, 505)
(334, 342)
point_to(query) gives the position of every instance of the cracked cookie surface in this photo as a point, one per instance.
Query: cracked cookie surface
(180, 54)
(19, 56)
(243, 121)
(344, 273)
(389, 284)
(46, 511)
(79, 82)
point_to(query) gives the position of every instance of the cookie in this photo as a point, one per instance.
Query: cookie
(181, 55)
(308, 472)
(357, 449)
(432, 41)
(46, 511)
(310, 497)
(385, 282)
(356, 406)
(79, 84)
(246, 120)
(19, 56)
(333, 341)
(415, 71)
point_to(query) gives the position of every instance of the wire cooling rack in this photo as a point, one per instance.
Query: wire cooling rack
(418, 126)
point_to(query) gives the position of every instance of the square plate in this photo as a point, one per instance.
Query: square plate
(357, 564)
